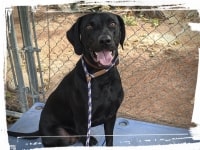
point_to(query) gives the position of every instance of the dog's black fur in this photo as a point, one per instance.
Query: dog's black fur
(66, 110)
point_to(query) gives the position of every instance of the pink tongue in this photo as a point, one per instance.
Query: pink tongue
(104, 57)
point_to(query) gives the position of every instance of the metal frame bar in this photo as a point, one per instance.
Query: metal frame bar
(15, 57)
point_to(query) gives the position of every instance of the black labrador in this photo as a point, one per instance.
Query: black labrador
(95, 36)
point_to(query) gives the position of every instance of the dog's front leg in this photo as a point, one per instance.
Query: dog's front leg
(81, 130)
(83, 138)
(108, 128)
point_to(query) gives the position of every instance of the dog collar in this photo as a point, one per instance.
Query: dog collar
(89, 76)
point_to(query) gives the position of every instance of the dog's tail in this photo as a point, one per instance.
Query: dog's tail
(31, 135)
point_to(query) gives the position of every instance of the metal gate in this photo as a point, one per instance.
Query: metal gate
(25, 77)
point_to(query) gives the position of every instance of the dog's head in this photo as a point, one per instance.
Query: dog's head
(97, 36)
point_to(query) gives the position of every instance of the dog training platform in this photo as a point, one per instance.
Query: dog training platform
(126, 132)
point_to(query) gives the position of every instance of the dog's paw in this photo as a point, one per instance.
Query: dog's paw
(93, 141)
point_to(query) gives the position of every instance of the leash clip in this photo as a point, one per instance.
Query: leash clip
(88, 78)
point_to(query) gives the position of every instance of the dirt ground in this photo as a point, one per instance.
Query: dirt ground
(159, 78)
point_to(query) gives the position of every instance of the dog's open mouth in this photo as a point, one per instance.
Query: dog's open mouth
(103, 58)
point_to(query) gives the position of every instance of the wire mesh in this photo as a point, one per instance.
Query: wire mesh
(158, 64)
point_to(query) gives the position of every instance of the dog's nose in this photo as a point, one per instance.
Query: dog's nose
(105, 39)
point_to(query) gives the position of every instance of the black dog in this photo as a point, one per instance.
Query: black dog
(96, 37)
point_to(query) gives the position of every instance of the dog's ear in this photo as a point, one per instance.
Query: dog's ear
(73, 35)
(122, 29)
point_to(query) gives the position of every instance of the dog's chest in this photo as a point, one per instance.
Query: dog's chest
(106, 99)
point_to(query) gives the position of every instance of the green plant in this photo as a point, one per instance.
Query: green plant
(129, 20)
(8, 95)
(155, 22)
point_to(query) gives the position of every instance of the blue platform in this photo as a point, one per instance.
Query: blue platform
(127, 132)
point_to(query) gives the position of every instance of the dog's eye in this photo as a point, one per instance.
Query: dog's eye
(112, 24)
(89, 27)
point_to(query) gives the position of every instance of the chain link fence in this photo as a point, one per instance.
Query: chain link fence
(158, 64)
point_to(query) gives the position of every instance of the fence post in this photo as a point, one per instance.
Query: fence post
(29, 51)
(14, 50)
